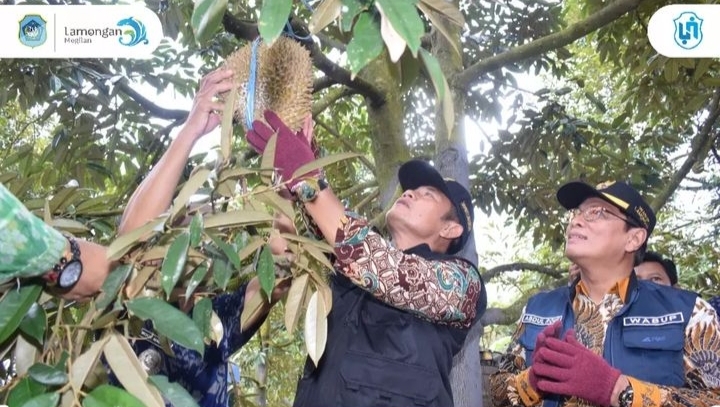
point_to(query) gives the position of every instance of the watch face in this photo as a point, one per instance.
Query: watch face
(70, 274)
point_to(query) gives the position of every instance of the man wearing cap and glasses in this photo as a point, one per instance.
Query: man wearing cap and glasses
(401, 307)
(611, 339)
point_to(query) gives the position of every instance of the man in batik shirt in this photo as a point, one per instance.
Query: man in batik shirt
(611, 339)
(401, 307)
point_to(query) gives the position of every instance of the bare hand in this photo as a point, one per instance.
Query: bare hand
(206, 113)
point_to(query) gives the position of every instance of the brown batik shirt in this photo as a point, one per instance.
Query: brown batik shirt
(442, 291)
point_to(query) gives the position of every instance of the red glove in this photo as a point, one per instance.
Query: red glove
(292, 150)
(568, 368)
(551, 331)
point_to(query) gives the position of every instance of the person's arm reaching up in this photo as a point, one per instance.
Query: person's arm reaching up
(155, 193)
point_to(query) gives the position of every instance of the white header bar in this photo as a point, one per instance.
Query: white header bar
(112, 31)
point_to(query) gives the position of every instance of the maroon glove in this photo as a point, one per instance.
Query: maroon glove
(568, 368)
(292, 150)
(551, 331)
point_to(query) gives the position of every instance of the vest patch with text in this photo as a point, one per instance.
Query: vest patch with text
(667, 319)
(539, 320)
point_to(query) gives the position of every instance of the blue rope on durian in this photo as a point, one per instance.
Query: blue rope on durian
(252, 79)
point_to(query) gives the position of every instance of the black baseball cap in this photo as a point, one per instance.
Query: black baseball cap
(418, 173)
(618, 193)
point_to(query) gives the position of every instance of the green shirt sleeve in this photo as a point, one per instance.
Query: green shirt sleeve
(28, 246)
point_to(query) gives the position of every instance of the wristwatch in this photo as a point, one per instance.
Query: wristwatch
(308, 189)
(625, 398)
(67, 271)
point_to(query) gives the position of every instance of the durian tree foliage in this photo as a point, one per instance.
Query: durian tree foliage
(393, 79)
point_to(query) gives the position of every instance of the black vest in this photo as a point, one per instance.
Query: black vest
(377, 355)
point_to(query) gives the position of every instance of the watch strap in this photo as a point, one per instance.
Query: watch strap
(626, 397)
(53, 275)
(308, 189)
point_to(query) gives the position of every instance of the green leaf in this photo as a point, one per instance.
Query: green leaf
(24, 391)
(112, 284)
(202, 313)
(404, 18)
(173, 392)
(226, 127)
(14, 306)
(111, 396)
(120, 246)
(350, 9)
(123, 361)
(266, 270)
(168, 321)
(241, 240)
(197, 277)
(436, 75)
(228, 250)
(174, 262)
(221, 272)
(366, 43)
(443, 25)
(206, 18)
(324, 15)
(189, 188)
(47, 375)
(34, 323)
(43, 400)
(444, 96)
(446, 9)
(273, 16)
(324, 162)
(237, 218)
(196, 228)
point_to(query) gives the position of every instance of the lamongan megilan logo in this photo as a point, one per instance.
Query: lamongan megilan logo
(32, 31)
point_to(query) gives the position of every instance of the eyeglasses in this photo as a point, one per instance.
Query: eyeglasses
(594, 213)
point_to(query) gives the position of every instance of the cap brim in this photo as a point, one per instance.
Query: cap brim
(572, 194)
(415, 174)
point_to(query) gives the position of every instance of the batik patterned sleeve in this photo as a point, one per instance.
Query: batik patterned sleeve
(702, 366)
(28, 246)
(509, 386)
(444, 291)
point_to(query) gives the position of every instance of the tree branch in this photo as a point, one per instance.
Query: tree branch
(499, 316)
(493, 272)
(337, 135)
(700, 144)
(147, 104)
(605, 16)
(335, 71)
(330, 99)
(242, 30)
(322, 82)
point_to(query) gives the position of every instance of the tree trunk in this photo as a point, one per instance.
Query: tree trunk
(452, 162)
(389, 148)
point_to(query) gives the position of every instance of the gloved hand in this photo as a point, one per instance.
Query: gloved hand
(292, 150)
(568, 368)
(551, 331)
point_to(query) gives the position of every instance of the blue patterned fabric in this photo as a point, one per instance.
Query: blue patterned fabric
(205, 378)
(715, 302)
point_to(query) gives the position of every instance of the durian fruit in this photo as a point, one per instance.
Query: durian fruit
(283, 81)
